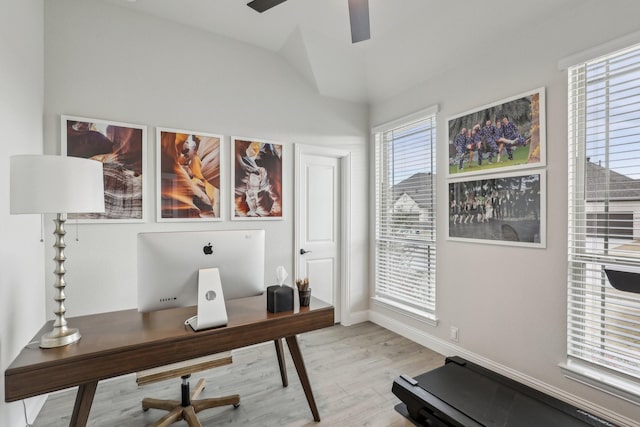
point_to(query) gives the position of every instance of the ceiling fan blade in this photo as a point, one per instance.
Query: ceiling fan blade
(263, 5)
(359, 16)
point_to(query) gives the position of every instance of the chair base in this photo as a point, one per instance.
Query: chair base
(178, 411)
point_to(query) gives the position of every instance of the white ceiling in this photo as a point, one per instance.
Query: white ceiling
(411, 40)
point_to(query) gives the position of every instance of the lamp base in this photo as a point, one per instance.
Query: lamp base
(57, 338)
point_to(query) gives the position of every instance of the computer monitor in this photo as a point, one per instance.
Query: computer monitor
(168, 265)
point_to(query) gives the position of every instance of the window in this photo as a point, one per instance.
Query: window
(604, 220)
(405, 214)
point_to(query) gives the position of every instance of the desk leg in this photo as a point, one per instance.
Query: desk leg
(84, 399)
(281, 362)
(292, 343)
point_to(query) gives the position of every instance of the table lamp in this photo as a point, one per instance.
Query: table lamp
(56, 184)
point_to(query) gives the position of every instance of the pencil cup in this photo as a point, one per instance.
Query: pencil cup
(305, 297)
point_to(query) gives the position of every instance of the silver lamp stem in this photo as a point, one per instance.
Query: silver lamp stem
(60, 335)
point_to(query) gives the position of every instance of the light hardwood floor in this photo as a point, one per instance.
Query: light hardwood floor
(351, 370)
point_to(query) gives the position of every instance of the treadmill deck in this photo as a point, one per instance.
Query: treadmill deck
(461, 393)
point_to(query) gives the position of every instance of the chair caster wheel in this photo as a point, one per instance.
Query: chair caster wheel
(236, 405)
(145, 409)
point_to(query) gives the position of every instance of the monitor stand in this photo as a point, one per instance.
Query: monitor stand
(212, 311)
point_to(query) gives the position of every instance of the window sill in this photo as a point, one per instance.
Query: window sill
(602, 380)
(405, 311)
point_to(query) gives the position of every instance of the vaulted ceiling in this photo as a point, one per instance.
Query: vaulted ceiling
(411, 40)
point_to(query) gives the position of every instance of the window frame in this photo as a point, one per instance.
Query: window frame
(379, 298)
(587, 366)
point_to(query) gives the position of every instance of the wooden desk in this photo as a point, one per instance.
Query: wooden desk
(123, 342)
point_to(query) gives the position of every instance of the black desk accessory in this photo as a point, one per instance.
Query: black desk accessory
(279, 298)
(304, 291)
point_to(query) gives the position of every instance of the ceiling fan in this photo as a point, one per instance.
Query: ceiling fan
(358, 15)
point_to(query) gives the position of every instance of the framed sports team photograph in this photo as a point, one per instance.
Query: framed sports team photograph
(122, 150)
(189, 177)
(256, 177)
(509, 209)
(499, 137)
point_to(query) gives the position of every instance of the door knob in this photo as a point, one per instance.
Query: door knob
(302, 252)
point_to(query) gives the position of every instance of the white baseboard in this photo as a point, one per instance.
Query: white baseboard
(447, 348)
(354, 318)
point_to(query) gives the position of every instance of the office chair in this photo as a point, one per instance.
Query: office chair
(186, 408)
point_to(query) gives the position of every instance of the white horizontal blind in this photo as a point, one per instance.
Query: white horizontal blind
(405, 253)
(604, 210)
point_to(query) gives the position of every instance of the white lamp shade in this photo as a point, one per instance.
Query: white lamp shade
(56, 184)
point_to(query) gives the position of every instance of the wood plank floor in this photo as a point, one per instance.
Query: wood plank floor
(351, 370)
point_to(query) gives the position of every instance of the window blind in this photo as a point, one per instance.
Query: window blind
(604, 211)
(405, 214)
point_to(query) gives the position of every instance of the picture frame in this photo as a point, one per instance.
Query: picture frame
(122, 150)
(506, 209)
(503, 136)
(190, 175)
(256, 179)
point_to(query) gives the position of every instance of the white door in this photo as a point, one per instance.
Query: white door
(320, 209)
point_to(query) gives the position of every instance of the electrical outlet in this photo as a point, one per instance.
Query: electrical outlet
(453, 333)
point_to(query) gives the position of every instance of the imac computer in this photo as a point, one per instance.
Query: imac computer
(169, 262)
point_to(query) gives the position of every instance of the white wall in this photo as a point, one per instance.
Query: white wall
(22, 267)
(103, 61)
(510, 303)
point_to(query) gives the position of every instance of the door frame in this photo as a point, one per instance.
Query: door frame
(344, 159)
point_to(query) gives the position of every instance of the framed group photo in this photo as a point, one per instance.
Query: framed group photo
(189, 175)
(504, 136)
(256, 177)
(121, 148)
(509, 209)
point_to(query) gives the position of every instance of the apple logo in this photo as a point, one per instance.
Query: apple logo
(207, 249)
